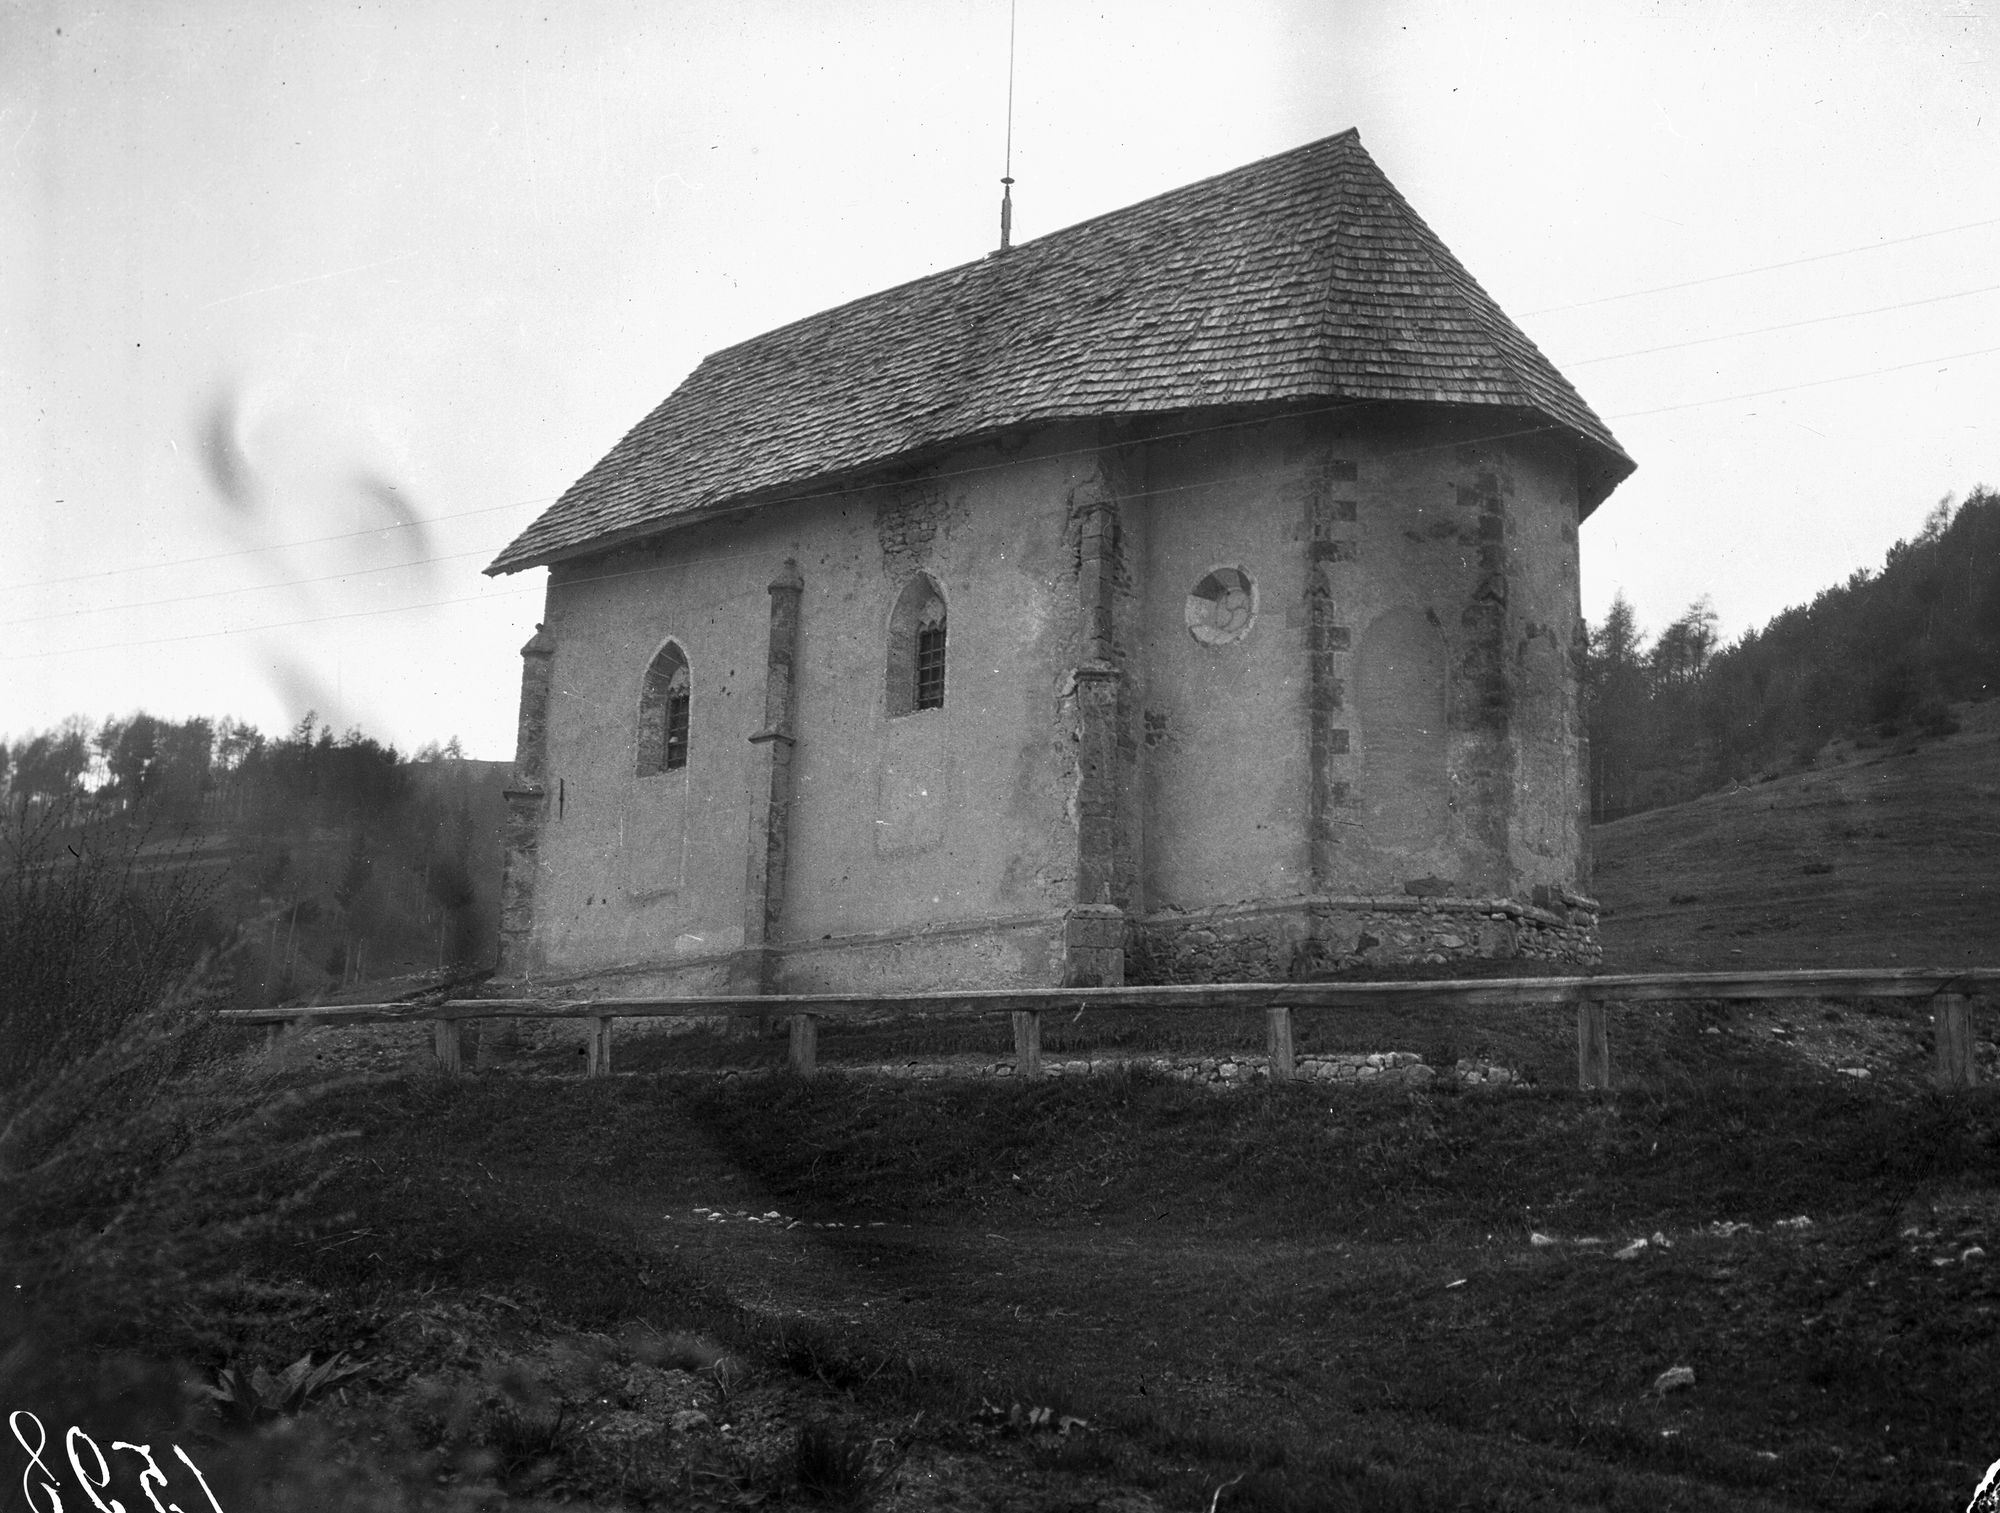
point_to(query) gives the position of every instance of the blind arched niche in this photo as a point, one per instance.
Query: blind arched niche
(1401, 676)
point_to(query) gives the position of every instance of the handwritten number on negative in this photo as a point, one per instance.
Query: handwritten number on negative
(151, 1477)
(41, 1478)
(35, 1463)
(84, 1479)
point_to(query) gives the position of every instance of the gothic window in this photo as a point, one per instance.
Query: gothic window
(917, 649)
(663, 713)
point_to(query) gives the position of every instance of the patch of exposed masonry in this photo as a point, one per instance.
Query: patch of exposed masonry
(1304, 939)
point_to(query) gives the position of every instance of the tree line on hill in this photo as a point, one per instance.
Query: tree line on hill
(308, 862)
(1884, 654)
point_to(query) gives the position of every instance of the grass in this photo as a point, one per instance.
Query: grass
(1870, 857)
(1270, 1313)
(1330, 1299)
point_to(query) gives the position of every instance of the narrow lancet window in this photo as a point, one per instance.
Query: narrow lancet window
(663, 713)
(917, 649)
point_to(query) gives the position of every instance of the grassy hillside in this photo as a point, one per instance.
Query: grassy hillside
(655, 1291)
(1885, 855)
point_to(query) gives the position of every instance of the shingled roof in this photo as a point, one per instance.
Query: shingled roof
(1303, 276)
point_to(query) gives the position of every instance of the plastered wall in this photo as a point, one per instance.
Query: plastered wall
(1400, 718)
(1429, 691)
(902, 830)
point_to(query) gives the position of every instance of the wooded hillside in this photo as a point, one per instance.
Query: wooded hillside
(314, 861)
(1881, 655)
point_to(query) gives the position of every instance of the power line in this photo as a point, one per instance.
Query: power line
(275, 546)
(1814, 320)
(248, 630)
(1716, 278)
(395, 609)
(634, 572)
(245, 630)
(826, 493)
(251, 588)
(1813, 383)
(1148, 493)
(1546, 310)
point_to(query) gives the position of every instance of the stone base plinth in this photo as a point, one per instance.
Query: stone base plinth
(1296, 940)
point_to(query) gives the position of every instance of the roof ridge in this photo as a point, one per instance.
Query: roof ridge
(1241, 169)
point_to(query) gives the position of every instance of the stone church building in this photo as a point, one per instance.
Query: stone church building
(1190, 594)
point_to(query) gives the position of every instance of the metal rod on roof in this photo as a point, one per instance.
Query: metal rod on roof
(1007, 173)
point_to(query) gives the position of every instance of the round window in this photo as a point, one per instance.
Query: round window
(1222, 607)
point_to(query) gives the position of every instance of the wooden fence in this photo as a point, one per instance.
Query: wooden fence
(1952, 996)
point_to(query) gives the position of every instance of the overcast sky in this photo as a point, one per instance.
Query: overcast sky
(307, 309)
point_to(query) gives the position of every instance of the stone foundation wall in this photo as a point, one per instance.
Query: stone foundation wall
(1360, 1069)
(494, 1043)
(1303, 939)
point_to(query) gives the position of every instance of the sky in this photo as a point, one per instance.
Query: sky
(307, 309)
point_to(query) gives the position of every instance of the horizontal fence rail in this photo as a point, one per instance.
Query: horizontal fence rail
(1953, 995)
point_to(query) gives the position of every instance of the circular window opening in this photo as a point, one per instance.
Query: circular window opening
(1222, 607)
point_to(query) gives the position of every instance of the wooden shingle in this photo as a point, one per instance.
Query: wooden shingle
(1304, 276)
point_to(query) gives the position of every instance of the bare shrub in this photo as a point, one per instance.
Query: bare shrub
(137, 1150)
(98, 920)
(135, 1176)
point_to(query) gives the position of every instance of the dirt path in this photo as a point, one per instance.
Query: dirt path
(1165, 1325)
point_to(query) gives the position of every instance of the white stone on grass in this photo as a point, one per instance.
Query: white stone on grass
(1673, 1379)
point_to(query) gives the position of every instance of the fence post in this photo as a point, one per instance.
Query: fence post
(1279, 1039)
(445, 1040)
(805, 1044)
(597, 1048)
(1951, 1028)
(1593, 1045)
(1028, 1042)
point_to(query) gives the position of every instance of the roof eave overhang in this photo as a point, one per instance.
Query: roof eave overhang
(1600, 467)
(1599, 470)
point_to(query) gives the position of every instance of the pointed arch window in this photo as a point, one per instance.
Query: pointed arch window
(663, 713)
(917, 648)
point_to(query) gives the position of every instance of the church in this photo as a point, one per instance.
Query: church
(1187, 595)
